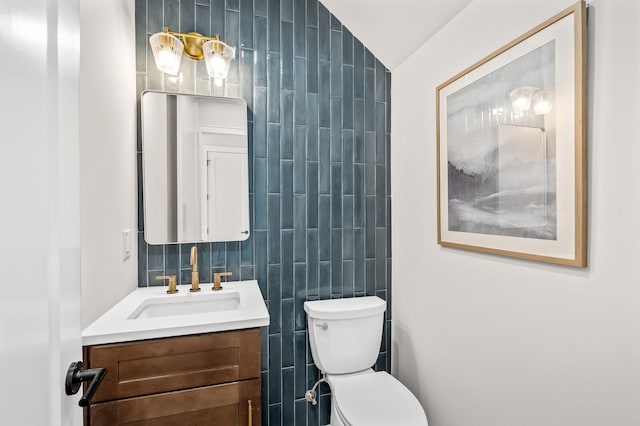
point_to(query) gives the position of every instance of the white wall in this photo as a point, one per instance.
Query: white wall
(492, 341)
(107, 153)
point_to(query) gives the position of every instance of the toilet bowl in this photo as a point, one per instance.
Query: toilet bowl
(345, 336)
(374, 399)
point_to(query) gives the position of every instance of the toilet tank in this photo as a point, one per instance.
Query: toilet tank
(345, 334)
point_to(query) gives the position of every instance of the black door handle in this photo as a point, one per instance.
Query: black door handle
(76, 375)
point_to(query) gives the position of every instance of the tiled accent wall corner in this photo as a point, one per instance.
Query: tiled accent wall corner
(319, 135)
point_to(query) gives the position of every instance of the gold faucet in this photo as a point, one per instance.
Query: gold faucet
(195, 279)
(172, 282)
(216, 280)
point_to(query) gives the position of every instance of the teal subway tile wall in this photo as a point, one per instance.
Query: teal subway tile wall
(319, 134)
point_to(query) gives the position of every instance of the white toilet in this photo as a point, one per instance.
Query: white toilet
(345, 336)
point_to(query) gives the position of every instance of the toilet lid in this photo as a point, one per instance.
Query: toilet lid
(377, 399)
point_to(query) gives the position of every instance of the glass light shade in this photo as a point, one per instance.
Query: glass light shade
(542, 103)
(521, 98)
(217, 57)
(167, 52)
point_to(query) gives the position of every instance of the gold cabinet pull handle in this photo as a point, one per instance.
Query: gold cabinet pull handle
(250, 413)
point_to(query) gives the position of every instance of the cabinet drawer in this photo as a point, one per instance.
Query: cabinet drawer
(224, 405)
(163, 365)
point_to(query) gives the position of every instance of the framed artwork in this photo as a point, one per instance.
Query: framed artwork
(512, 147)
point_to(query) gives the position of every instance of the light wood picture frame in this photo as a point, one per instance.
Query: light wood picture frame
(511, 147)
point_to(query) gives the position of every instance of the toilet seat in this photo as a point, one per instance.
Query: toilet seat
(376, 399)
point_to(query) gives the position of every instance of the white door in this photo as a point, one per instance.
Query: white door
(39, 213)
(226, 195)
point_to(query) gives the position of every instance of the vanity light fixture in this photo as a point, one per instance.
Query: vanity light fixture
(523, 97)
(542, 102)
(168, 47)
(167, 52)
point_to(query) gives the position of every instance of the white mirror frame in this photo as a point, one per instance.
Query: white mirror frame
(195, 168)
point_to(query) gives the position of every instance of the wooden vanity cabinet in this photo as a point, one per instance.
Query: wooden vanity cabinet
(204, 379)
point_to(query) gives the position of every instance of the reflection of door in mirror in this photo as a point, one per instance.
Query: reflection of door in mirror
(224, 181)
(195, 168)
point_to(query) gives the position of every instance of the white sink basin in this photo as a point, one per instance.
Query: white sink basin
(187, 305)
(150, 313)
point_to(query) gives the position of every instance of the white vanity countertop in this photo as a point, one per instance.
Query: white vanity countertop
(115, 326)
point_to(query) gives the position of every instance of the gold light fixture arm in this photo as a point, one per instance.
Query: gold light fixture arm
(193, 42)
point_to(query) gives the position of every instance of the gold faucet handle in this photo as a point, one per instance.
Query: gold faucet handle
(216, 279)
(172, 282)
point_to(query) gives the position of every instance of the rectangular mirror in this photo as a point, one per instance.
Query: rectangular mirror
(195, 168)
